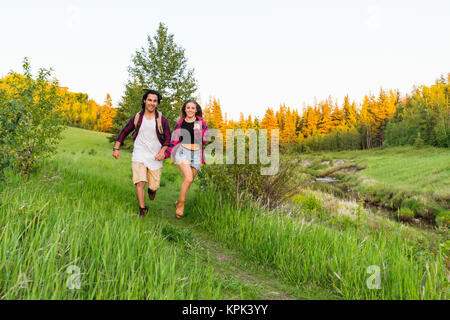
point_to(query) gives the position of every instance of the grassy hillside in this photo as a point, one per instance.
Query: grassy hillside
(78, 212)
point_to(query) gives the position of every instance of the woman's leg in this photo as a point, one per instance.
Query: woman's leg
(188, 177)
(194, 173)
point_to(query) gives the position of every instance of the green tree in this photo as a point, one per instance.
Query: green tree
(129, 105)
(162, 66)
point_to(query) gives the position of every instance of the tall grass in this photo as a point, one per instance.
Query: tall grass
(78, 213)
(304, 252)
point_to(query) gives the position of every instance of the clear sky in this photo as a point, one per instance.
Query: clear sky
(249, 54)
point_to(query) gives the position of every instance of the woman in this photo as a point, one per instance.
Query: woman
(189, 136)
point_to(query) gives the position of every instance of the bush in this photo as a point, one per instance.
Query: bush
(28, 112)
(241, 181)
(309, 203)
(11, 117)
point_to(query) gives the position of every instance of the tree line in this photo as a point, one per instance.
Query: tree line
(422, 117)
(75, 109)
(79, 111)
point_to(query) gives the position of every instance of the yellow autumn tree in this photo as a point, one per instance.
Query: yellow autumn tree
(105, 116)
(311, 118)
(288, 134)
(208, 115)
(350, 113)
(326, 121)
(217, 121)
(269, 122)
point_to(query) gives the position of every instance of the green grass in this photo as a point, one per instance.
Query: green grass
(311, 251)
(393, 175)
(79, 210)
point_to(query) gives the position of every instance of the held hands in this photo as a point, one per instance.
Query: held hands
(160, 156)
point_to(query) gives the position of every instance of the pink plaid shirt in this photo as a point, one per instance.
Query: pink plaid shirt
(200, 134)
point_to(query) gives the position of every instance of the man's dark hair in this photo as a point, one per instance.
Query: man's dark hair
(147, 92)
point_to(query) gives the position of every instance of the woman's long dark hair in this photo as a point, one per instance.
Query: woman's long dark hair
(198, 113)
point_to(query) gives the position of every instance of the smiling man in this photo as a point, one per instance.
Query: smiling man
(151, 138)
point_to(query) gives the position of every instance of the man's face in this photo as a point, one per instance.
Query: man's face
(151, 102)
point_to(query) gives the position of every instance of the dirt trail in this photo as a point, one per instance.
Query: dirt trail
(234, 266)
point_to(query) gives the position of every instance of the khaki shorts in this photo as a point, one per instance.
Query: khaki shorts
(141, 173)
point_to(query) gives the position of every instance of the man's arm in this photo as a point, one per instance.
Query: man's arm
(129, 127)
(116, 153)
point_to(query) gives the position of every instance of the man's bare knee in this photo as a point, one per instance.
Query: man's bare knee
(140, 185)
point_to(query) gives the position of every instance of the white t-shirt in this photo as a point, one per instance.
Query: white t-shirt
(147, 145)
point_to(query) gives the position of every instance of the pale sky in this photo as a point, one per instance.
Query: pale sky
(249, 54)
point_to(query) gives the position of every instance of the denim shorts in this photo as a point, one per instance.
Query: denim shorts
(194, 157)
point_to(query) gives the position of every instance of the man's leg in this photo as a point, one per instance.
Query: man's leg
(154, 178)
(140, 179)
(140, 193)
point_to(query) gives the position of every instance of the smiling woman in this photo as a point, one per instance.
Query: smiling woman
(189, 137)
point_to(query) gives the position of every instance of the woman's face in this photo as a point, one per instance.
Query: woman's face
(191, 109)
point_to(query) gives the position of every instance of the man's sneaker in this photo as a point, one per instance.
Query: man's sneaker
(143, 212)
(151, 194)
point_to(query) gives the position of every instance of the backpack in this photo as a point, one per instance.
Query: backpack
(158, 121)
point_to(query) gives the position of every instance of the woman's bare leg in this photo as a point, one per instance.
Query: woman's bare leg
(194, 173)
(188, 177)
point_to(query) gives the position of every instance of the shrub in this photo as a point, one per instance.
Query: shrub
(11, 117)
(28, 111)
(245, 180)
(309, 203)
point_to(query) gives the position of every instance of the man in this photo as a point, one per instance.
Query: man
(151, 139)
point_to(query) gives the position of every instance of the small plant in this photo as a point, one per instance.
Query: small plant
(359, 211)
(405, 215)
(443, 219)
(308, 203)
